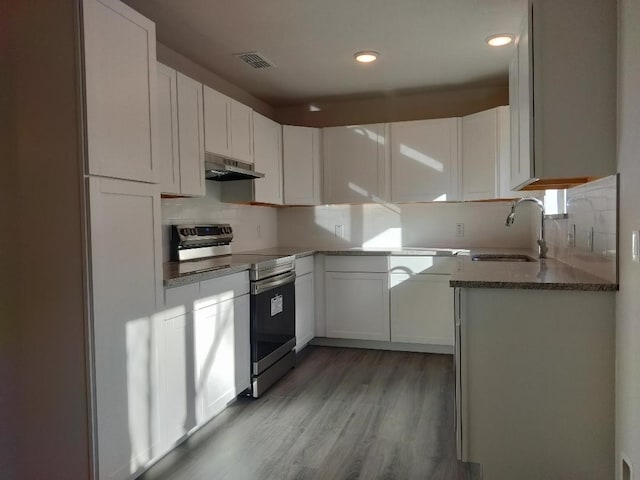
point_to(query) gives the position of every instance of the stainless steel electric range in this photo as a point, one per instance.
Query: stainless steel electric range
(273, 335)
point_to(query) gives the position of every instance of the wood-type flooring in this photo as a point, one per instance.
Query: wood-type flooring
(340, 414)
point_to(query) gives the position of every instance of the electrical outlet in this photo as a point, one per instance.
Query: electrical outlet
(259, 231)
(339, 231)
(459, 229)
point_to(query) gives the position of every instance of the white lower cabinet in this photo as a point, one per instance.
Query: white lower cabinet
(357, 305)
(177, 396)
(535, 382)
(421, 309)
(217, 364)
(203, 353)
(305, 302)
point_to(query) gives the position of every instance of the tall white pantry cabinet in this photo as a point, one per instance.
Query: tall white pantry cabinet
(124, 233)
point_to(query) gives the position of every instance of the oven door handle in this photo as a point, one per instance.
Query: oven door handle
(273, 282)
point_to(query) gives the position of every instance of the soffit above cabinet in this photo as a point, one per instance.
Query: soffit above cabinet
(424, 44)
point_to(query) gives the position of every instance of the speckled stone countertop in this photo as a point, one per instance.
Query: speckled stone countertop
(543, 274)
(183, 273)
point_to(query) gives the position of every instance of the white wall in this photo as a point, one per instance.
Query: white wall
(44, 405)
(593, 205)
(254, 227)
(409, 225)
(628, 300)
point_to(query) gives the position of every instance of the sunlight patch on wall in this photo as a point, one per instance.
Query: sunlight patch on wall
(390, 238)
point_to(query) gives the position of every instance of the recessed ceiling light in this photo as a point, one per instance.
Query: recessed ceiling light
(366, 57)
(500, 39)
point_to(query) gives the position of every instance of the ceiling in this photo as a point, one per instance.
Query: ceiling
(423, 44)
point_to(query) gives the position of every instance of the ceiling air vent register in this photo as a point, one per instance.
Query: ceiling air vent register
(254, 59)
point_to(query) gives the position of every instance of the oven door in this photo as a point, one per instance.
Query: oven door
(273, 320)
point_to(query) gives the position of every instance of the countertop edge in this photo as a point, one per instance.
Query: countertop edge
(593, 286)
(586, 287)
(202, 276)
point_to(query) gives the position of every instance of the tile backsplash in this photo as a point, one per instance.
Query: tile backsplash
(408, 225)
(587, 239)
(254, 227)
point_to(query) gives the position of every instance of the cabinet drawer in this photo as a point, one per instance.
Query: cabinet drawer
(304, 265)
(180, 300)
(359, 263)
(422, 264)
(224, 288)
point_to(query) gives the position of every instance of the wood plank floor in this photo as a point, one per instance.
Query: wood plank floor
(340, 414)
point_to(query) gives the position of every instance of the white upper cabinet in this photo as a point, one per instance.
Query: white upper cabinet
(180, 150)
(424, 160)
(217, 120)
(120, 79)
(228, 127)
(190, 136)
(355, 164)
(241, 132)
(480, 155)
(301, 160)
(566, 87)
(267, 141)
(520, 92)
(485, 155)
(167, 154)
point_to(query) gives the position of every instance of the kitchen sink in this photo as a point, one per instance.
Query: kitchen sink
(496, 257)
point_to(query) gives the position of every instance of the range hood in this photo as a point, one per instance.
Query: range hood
(223, 169)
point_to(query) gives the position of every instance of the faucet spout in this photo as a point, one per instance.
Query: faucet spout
(542, 243)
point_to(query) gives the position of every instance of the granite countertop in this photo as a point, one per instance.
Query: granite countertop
(545, 274)
(183, 273)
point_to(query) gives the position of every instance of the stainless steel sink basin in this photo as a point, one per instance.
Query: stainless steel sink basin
(497, 257)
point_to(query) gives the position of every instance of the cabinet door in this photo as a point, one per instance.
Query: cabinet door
(190, 136)
(301, 159)
(354, 164)
(217, 122)
(218, 375)
(120, 82)
(177, 397)
(167, 154)
(480, 156)
(522, 167)
(357, 305)
(421, 309)
(424, 160)
(267, 143)
(514, 122)
(241, 132)
(126, 290)
(305, 308)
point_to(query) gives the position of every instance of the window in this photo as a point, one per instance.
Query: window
(555, 202)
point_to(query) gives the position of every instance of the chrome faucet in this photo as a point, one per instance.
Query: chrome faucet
(542, 244)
